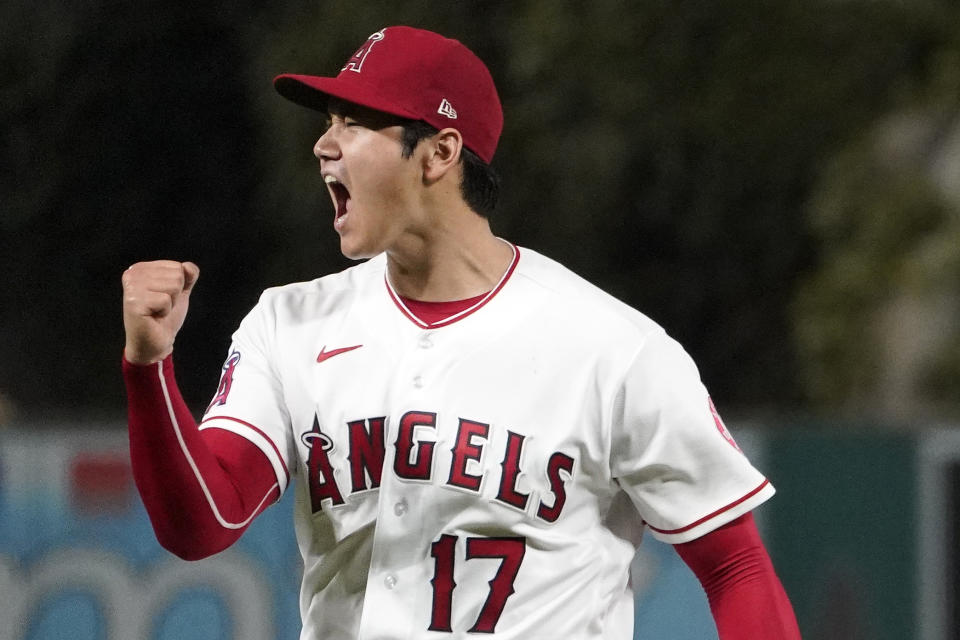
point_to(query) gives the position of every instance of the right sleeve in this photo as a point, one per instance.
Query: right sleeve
(249, 400)
(201, 491)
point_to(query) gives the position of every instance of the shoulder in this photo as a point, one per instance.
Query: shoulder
(332, 291)
(567, 294)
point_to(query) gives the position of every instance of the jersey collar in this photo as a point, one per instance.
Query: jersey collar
(462, 314)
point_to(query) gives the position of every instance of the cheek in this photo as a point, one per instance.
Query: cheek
(389, 184)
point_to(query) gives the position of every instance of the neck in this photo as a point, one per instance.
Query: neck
(453, 263)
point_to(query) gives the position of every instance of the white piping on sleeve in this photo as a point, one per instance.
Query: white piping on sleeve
(193, 465)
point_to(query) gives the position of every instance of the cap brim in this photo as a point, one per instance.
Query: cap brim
(314, 92)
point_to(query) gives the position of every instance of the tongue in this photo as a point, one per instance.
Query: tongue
(343, 197)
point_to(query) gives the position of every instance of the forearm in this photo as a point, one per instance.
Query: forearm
(746, 597)
(752, 605)
(197, 501)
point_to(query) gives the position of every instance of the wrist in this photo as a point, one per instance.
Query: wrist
(141, 358)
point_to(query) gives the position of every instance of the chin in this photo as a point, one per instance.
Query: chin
(354, 251)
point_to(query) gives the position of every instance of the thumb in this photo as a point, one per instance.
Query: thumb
(191, 273)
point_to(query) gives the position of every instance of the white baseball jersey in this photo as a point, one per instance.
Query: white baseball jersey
(491, 473)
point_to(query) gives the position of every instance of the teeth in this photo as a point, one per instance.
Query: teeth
(330, 179)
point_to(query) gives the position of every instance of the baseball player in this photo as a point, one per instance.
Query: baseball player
(477, 436)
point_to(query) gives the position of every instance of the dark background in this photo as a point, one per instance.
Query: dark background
(670, 152)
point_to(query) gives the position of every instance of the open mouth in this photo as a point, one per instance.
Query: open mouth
(341, 198)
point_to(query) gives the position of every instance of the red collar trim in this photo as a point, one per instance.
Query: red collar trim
(457, 316)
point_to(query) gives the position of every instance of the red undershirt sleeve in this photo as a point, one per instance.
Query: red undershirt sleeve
(201, 489)
(746, 597)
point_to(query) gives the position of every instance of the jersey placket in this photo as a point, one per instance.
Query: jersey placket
(397, 578)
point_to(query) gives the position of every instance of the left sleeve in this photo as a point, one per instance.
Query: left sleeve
(746, 597)
(671, 452)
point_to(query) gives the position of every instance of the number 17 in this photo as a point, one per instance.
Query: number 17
(509, 550)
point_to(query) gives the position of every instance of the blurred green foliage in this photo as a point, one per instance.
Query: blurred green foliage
(667, 152)
(878, 319)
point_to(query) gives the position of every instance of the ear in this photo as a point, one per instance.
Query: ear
(443, 154)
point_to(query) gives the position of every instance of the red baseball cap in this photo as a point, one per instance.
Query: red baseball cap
(416, 74)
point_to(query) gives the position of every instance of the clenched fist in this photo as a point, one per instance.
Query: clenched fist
(155, 300)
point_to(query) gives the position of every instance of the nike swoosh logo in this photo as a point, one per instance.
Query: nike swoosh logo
(325, 355)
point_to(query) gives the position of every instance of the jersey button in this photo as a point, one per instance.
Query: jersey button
(400, 508)
(390, 581)
(418, 382)
(425, 341)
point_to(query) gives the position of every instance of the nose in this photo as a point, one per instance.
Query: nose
(326, 147)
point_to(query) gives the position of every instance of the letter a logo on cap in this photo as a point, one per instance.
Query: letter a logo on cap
(356, 60)
(446, 109)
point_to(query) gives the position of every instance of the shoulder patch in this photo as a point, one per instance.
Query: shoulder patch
(226, 381)
(722, 428)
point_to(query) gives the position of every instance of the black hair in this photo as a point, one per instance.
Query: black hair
(480, 186)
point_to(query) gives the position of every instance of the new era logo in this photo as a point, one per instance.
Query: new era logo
(446, 109)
